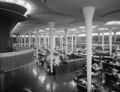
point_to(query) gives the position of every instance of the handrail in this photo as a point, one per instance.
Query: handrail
(9, 54)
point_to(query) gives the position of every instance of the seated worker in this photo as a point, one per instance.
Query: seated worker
(96, 69)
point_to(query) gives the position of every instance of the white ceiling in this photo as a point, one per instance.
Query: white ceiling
(68, 13)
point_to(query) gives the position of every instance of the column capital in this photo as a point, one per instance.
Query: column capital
(51, 24)
(88, 12)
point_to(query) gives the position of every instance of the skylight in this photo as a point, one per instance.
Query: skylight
(47, 28)
(72, 29)
(94, 34)
(117, 33)
(83, 27)
(113, 23)
(107, 33)
(103, 28)
(41, 30)
(82, 35)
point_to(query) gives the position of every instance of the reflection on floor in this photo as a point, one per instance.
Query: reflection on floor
(36, 79)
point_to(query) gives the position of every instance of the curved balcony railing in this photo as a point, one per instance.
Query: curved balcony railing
(14, 60)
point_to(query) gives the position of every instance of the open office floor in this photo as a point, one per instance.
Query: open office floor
(37, 80)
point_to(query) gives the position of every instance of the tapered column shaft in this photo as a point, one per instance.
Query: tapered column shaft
(88, 15)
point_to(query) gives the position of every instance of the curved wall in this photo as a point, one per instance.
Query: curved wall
(13, 60)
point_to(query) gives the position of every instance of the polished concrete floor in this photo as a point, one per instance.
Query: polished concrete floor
(36, 79)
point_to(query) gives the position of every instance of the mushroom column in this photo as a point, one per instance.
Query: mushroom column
(110, 42)
(39, 41)
(103, 42)
(72, 43)
(36, 43)
(51, 25)
(29, 37)
(66, 40)
(88, 15)
(44, 41)
(61, 38)
(99, 37)
(114, 36)
(21, 40)
(75, 42)
(24, 40)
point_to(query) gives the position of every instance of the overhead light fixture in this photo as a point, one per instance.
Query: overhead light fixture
(82, 35)
(22, 36)
(106, 33)
(117, 33)
(29, 8)
(113, 23)
(72, 29)
(42, 35)
(10, 1)
(19, 2)
(41, 30)
(47, 28)
(94, 26)
(26, 35)
(13, 35)
(100, 33)
(103, 28)
(83, 27)
(94, 34)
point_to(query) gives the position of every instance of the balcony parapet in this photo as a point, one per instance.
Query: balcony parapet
(14, 60)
